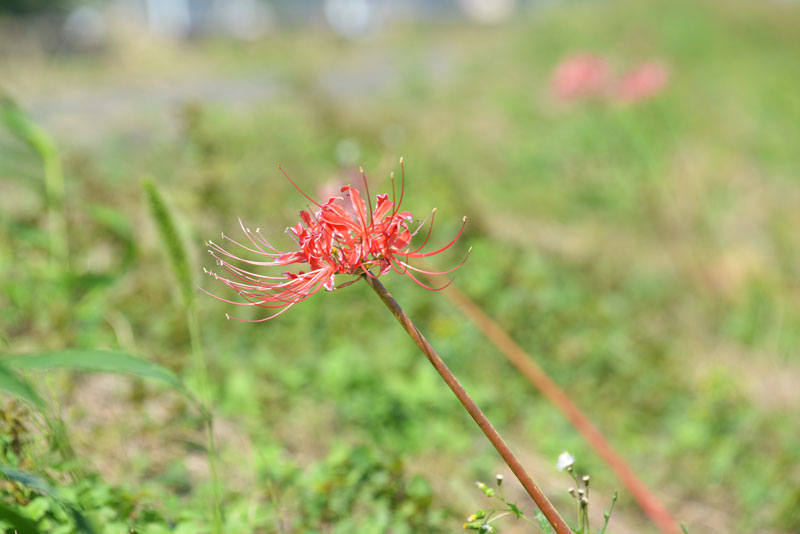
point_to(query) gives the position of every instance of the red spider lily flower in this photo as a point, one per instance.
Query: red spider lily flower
(642, 83)
(580, 77)
(331, 240)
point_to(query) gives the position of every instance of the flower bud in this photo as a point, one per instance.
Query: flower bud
(480, 514)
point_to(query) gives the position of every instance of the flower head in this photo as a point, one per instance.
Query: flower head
(643, 82)
(565, 461)
(330, 240)
(580, 77)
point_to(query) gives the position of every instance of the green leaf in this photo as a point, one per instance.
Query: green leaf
(512, 507)
(29, 480)
(27, 131)
(24, 129)
(18, 387)
(40, 485)
(544, 524)
(17, 522)
(95, 360)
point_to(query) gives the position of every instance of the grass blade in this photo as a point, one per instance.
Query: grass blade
(95, 360)
(40, 485)
(18, 387)
(26, 130)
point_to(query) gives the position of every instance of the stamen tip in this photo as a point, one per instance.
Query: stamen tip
(227, 316)
(361, 170)
(434, 210)
(401, 160)
(465, 218)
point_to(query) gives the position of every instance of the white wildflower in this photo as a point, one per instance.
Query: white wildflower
(565, 461)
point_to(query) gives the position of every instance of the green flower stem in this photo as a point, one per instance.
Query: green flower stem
(208, 420)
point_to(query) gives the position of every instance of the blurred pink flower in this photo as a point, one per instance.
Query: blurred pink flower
(581, 76)
(642, 83)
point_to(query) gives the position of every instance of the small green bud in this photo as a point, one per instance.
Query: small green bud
(473, 525)
(489, 492)
(480, 514)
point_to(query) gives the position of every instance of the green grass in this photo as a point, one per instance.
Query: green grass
(645, 255)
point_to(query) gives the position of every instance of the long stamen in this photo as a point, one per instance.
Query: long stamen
(402, 182)
(450, 244)
(391, 177)
(402, 186)
(366, 190)
(432, 216)
(415, 279)
(296, 187)
(409, 266)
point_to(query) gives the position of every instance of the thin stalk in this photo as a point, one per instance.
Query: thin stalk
(500, 445)
(201, 369)
(56, 216)
(183, 275)
(646, 500)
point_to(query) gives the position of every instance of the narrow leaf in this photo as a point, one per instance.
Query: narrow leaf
(29, 480)
(24, 129)
(18, 387)
(40, 485)
(95, 360)
(27, 131)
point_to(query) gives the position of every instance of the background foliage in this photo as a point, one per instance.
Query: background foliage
(644, 254)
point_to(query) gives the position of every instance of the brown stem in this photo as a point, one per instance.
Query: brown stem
(537, 376)
(516, 467)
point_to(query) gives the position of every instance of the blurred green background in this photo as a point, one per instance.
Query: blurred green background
(646, 254)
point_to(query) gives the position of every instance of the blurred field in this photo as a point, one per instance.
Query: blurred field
(646, 254)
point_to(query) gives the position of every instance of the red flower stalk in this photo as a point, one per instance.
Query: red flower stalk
(330, 241)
